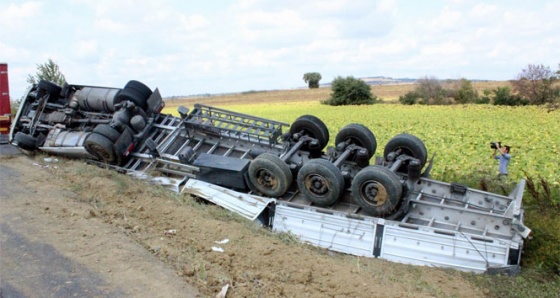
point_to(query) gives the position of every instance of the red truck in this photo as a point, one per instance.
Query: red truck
(5, 110)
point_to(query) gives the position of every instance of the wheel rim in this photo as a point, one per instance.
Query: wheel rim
(101, 152)
(317, 184)
(374, 193)
(354, 141)
(405, 150)
(267, 179)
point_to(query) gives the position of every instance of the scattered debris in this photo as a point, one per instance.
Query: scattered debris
(218, 249)
(44, 166)
(170, 232)
(223, 292)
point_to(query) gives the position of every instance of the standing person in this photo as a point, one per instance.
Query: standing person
(504, 158)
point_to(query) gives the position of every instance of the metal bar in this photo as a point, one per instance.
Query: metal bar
(214, 109)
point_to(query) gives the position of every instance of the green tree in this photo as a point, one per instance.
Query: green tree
(312, 79)
(464, 92)
(536, 83)
(504, 97)
(410, 98)
(48, 71)
(350, 91)
(485, 98)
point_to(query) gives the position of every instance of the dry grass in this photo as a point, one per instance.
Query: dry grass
(386, 92)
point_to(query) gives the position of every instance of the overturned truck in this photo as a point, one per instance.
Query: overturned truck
(283, 176)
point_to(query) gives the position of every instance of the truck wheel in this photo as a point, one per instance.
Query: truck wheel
(136, 92)
(359, 135)
(49, 87)
(313, 127)
(270, 175)
(133, 96)
(144, 90)
(408, 145)
(107, 131)
(377, 190)
(320, 181)
(100, 147)
(25, 141)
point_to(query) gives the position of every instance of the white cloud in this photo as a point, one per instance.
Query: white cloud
(187, 47)
(17, 15)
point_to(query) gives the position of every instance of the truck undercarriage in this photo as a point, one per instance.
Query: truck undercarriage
(284, 176)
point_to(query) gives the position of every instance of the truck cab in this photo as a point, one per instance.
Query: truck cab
(98, 123)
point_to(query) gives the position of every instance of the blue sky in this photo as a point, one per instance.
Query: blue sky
(194, 47)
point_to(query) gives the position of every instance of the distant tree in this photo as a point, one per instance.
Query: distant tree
(410, 98)
(14, 106)
(536, 84)
(556, 103)
(428, 90)
(464, 92)
(504, 97)
(350, 91)
(312, 79)
(485, 98)
(431, 90)
(48, 71)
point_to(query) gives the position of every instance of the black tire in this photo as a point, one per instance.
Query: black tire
(321, 182)
(270, 175)
(100, 147)
(359, 135)
(409, 145)
(144, 90)
(134, 96)
(313, 127)
(377, 190)
(25, 141)
(107, 131)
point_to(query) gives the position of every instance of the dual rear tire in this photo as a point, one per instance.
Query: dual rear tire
(136, 92)
(101, 143)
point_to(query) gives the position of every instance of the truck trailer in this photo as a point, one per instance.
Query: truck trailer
(5, 108)
(283, 176)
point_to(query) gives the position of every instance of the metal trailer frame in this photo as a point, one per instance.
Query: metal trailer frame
(447, 225)
(428, 243)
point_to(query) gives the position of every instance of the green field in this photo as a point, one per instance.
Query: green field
(459, 134)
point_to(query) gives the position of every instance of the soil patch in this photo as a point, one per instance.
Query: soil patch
(82, 207)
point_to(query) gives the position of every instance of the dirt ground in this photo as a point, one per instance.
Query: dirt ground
(146, 241)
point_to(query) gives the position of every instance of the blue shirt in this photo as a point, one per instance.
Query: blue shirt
(504, 162)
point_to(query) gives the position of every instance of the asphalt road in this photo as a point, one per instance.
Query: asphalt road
(8, 149)
(30, 268)
(48, 250)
